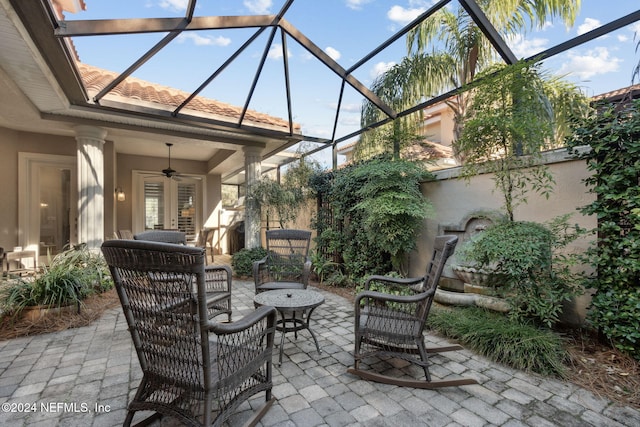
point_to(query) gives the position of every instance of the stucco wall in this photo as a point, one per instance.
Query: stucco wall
(11, 143)
(456, 200)
(211, 187)
(117, 174)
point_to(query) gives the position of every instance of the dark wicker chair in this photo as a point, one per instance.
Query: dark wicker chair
(389, 322)
(124, 234)
(287, 264)
(194, 370)
(165, 236)
(204, 240)
(217, 277)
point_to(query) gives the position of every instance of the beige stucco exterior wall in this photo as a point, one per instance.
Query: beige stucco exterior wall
(455, 200)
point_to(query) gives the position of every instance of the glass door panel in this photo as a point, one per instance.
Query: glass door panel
(169, 204)
(55, 209)
(154, 206)
(186, 194)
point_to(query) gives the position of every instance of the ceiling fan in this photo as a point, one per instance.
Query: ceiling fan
(169, 172)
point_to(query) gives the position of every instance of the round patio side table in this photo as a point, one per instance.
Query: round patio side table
(290, 302)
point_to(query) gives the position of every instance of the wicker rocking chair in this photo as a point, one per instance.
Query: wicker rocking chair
(165, 236)
(390, 325)
(287, 264)
(194, 370)
(217, 278)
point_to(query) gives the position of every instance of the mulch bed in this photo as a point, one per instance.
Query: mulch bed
(92, 308)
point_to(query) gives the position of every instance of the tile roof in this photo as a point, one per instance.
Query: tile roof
(95, 79)
(427, 150)
(618, 94)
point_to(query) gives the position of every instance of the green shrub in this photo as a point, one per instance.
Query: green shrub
(524, 256)
(371, 214)
(617, 313)
(518, 345)
(242, 261)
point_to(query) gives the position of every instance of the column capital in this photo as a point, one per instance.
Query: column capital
(92, 132)
(252, 150)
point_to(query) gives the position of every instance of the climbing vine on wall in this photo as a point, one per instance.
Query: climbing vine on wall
(611, 135)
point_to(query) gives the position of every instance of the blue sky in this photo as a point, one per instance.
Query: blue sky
(346, 30)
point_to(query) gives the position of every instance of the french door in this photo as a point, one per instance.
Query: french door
(168, 204)
(47, 202)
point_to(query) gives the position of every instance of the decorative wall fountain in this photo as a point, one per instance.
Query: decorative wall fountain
(466, 285)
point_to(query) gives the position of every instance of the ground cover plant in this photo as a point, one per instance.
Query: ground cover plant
(520, 345)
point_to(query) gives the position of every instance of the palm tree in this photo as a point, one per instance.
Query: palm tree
(427, 72)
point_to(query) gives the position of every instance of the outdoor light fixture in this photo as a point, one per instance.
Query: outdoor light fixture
(120, 194)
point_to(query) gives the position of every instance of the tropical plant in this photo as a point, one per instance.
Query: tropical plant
(70, 277)
(322, 266)
(283, 200)
(609, 141)
(447, 50)
(508, 124)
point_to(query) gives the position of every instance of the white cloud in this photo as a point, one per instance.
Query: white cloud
(594, 62)
(350, 120)
(635, 27)
(199, 40)
(356, 4)
(588, 25)
(259, 7)
(333, 53)
(347, 108)
(276, 52)
(622, 38)
(174, 4)
(351, 108)
(402, 16)
(524, 48)
(306, 56)
(380, 68)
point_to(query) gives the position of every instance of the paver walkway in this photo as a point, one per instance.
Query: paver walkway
(85, 376)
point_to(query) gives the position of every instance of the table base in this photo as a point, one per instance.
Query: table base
(297, 324)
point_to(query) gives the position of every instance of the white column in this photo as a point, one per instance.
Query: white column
(252, 165)
(90, 141)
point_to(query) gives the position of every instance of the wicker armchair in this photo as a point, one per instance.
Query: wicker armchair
(194, 370)
(124, 234)
(204, 240)
(287, 264)
(165, 236)
(217, 277)
(390, 324)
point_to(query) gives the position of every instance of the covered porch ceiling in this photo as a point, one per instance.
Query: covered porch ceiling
(290, 91)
